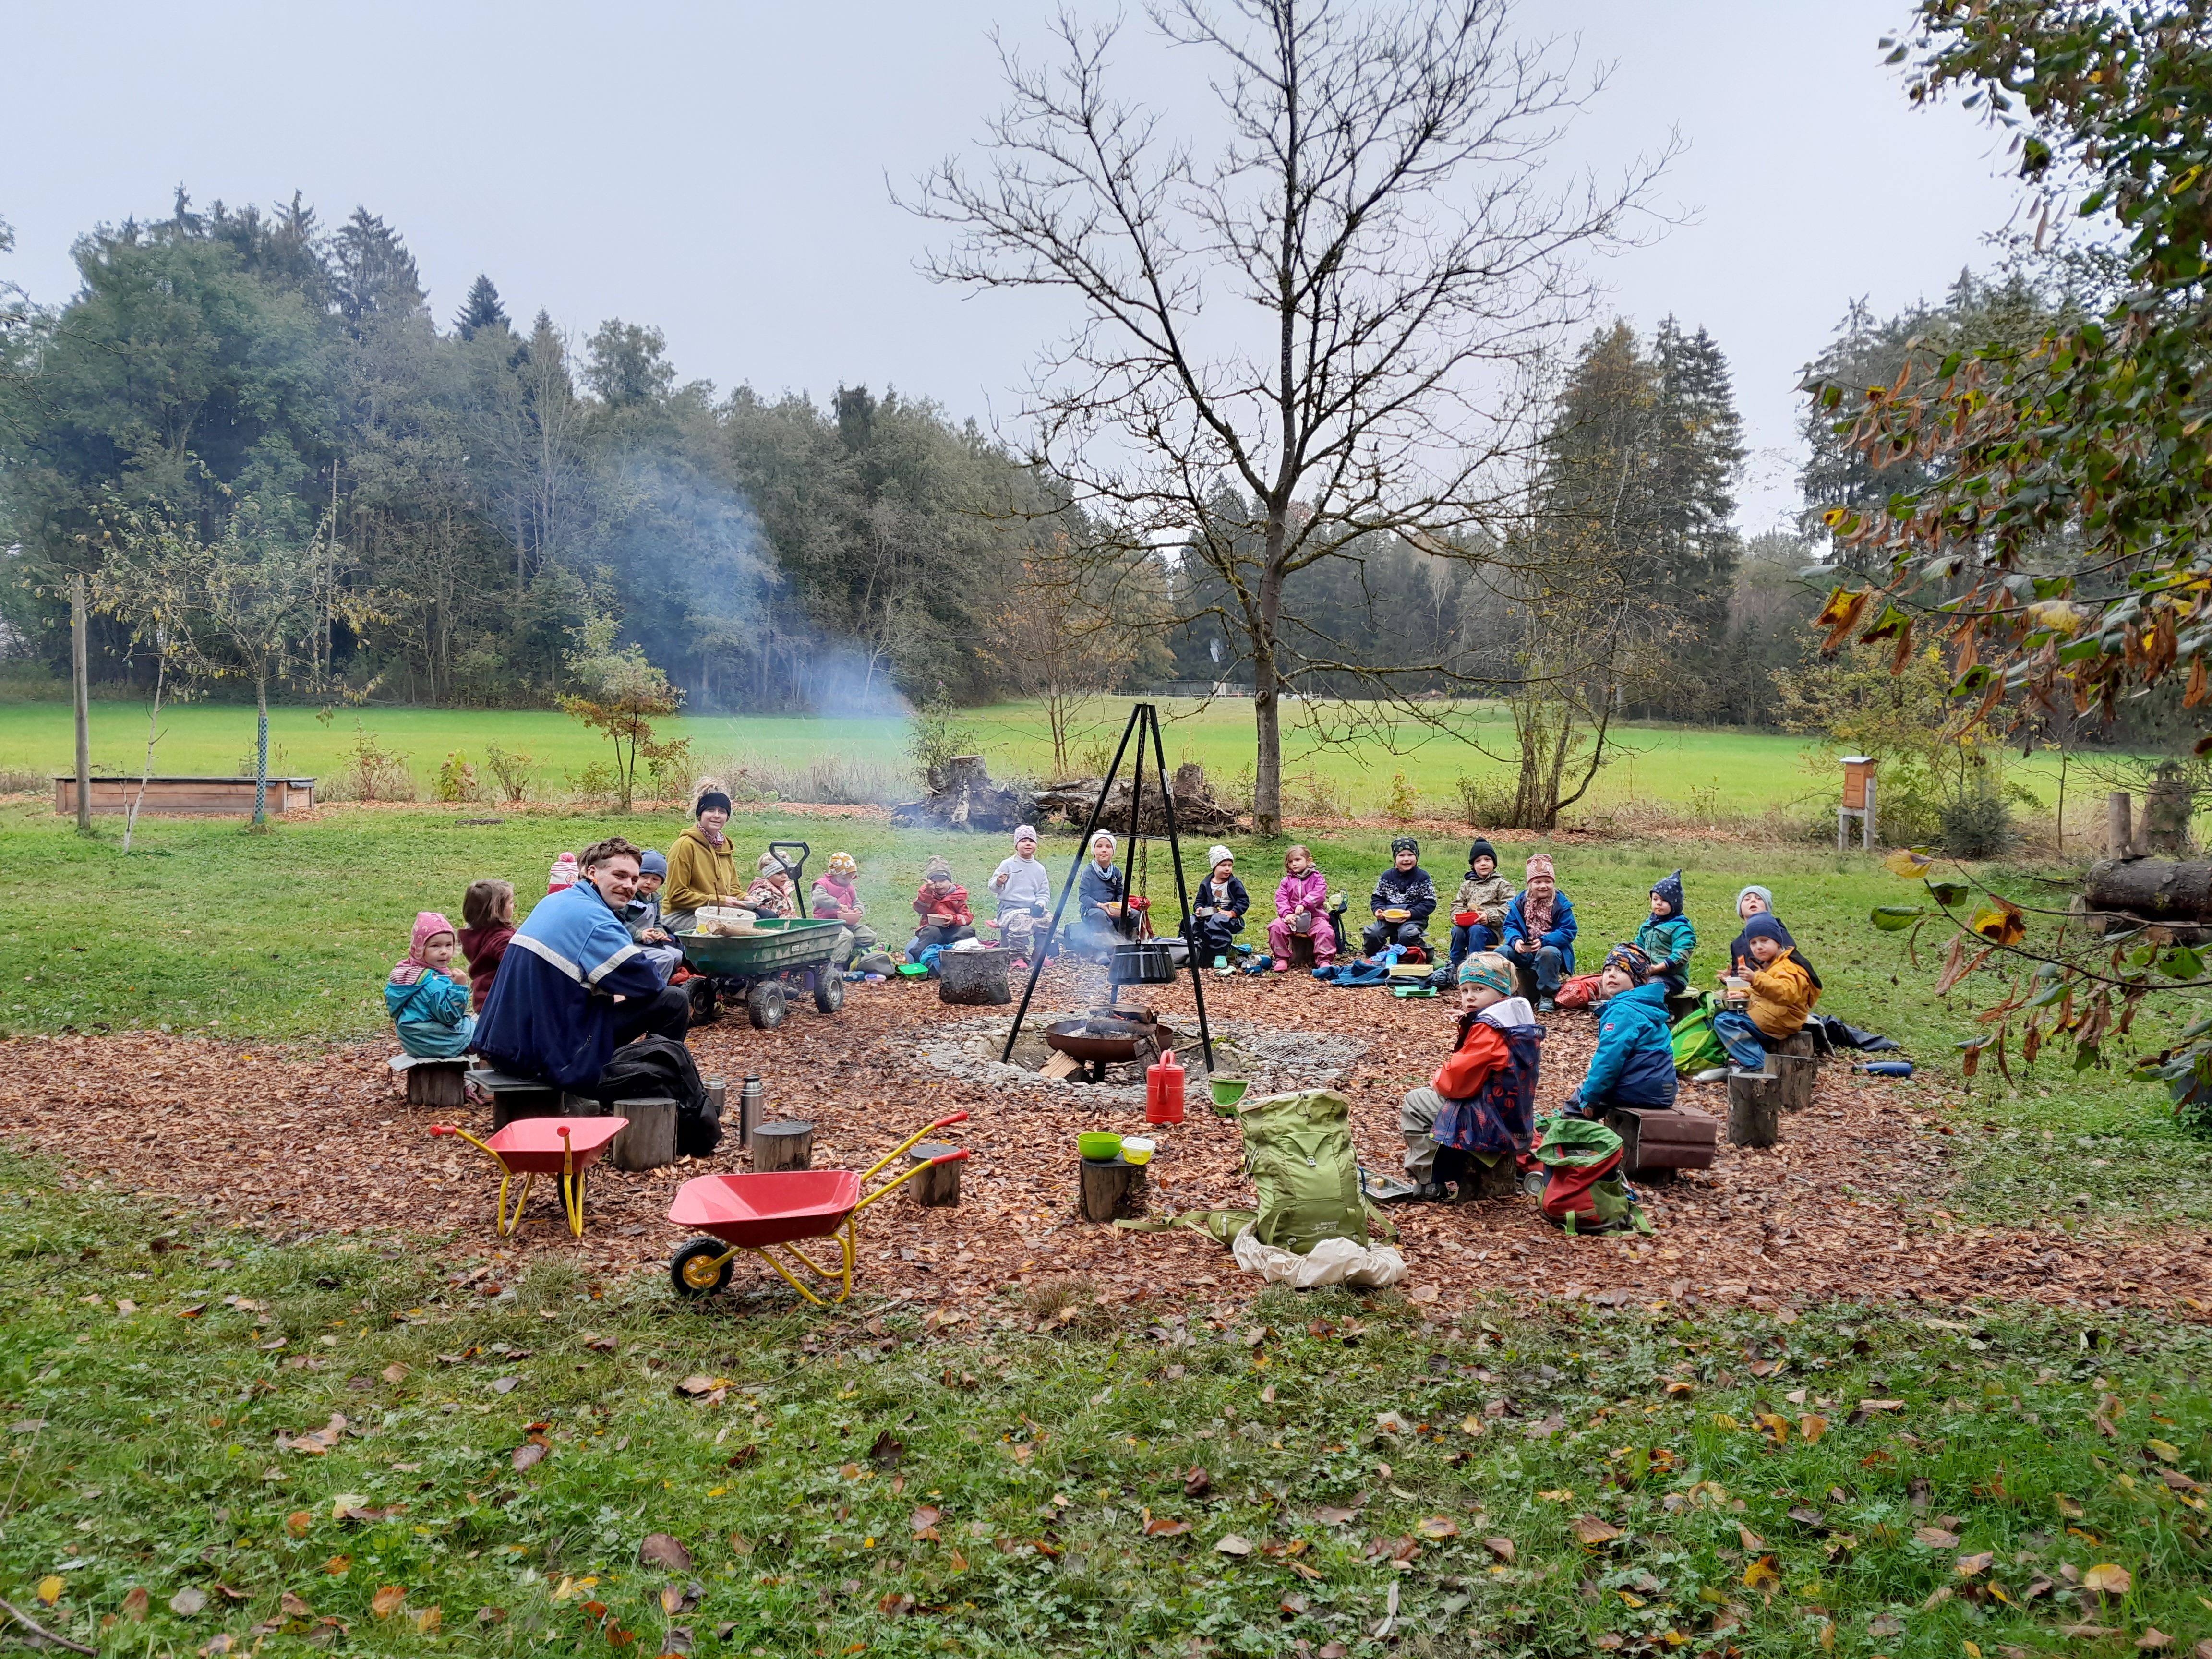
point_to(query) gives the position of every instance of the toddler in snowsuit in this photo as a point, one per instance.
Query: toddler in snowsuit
(1404, 886)
(430, 1008)
(1478, 911)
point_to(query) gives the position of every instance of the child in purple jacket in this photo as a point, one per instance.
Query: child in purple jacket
(1301, 907)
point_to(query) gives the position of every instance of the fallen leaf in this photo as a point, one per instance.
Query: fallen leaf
(2066, 1506)
(1500, 1548)
(188, 1602)
(1748, 1539)
(2152, 1638)
(50, 1589)
(1812, 1426)
(1936, 1538)
(696, 1386)
(1330, 1516)
(1234, 1544)
(660, 1549)
(506, 1385)
(887, 1451)
(1970, 1566)
(1805, 1516)
(529, 1455)
(135, 1603)
(923, 1522)
(338, 1565)
(1763, 1575)
(428, 1619)
(1438, 1526)
(1591, 1530)
(1885, 1625)
(386, 1601)
(1390, 1423)
(2107, 1579)
(216, 1645)
(1558, 1495)
(1196, 1482)
(1163, 1528)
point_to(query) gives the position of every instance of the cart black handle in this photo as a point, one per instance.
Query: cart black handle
(798, 871)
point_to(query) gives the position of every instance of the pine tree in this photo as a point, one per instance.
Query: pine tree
(375, 275)
(482, 309)
(1698, 441)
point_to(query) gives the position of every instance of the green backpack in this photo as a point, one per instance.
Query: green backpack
(1298, 1150)
(1697, 1047)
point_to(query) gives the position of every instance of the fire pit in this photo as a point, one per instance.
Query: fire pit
(1107, 1036)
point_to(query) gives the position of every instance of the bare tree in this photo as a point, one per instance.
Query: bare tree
(1331, 316)
(1060, 639)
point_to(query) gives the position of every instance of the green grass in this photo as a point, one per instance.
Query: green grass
(1716, 770)
(287, 936)
(144, 1454)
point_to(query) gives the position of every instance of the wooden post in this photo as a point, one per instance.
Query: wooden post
(80, 686)
(1754, 1107)
(437, 1083)
(1799, 1070)
(783, 1146)
(649, 1141)
(2119, 838)
(1112, 1190)
(937, 1188)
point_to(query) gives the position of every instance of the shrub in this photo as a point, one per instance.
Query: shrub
(1312, 794)
(1977, 826)
(511, 771)
(371, 772)
(457, 779)
(934, 736)
(1404, 802)
(597, 784)
(1483, 801)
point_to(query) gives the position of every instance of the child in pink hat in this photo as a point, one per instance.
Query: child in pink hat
(429, 1004)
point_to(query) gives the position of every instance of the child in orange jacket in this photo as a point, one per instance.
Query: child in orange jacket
(1782, 991)
(1454, 1115)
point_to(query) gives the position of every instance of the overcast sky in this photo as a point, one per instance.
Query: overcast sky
(719, 169)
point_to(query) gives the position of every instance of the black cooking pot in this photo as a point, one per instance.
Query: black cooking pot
(1144, 963)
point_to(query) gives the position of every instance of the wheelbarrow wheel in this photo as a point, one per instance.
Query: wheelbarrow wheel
(701, 992)
(828, 990)
(694, 1270)
(765, 1004)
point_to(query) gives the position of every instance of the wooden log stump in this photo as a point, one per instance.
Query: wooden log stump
(1111, 1191)
(437, 1083)
(513, 1097)
(974, 979)
(789, 1145)
(1800, 1069)
(1754, 1106)
(938, 1187)
(1498, 1180)
(649, 1142)
(1301, 954)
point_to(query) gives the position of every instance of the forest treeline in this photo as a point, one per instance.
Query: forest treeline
(482, 490)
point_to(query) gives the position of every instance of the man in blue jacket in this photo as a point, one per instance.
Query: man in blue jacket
(1538, 932)
(574, 986)
(1634, 1064)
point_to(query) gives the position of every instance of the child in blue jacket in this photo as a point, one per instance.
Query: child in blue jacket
(1539, 933)
(1668, 936)
(429, 1007)
(1634, 1064)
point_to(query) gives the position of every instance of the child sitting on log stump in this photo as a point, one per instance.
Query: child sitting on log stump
(942, 904)
(430, 1008)
(1668, 936)
(1481, 1105)
(837, 898)
(1783, 990)
(487, 924)
(1634, 1064)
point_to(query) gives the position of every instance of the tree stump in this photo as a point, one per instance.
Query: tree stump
(1113, 1190)
(783, 1146)
(937, 1188)
(1800, 1070)
(1301, 953)
(974, 979)
(649, 1142)
(439, 1083)
(1498, 1180)
(1754, 1106)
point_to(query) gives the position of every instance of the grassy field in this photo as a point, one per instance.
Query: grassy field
(1740, 772)
(1322, 1475)
(285, 937)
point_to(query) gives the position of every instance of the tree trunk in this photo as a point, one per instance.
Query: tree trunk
(261, 751)
(2152, 889)
(1266, 709)
(80, 687)
(153, 732)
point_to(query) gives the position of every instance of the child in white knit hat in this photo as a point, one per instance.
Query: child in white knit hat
(1218, 907)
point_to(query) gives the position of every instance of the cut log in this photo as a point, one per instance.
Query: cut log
(1196, 810)
(513, 1097)
(1498, 1180)
(787, 1145)
(1112, 1191)
(1754, 1106)
(2127, 893)
(937, 1188)
(437, 1083)
(1800, 1070)
(974, 979)
(1653, 1141)
(649, 1142)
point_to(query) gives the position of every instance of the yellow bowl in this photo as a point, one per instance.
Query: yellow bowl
(1135, 1149)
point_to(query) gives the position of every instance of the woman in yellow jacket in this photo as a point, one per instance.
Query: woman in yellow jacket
(703, 866)
(1782, 992)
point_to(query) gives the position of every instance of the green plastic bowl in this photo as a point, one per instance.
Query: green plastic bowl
(1098, 1147)
(914, 969)
(1228, 1090)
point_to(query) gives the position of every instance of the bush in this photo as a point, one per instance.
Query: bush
(1483, 801)
(371, 772)
(457, 779)
(934, 736)
(1404, 802)
(1977, 826)
(511, 771)
(1313, 794)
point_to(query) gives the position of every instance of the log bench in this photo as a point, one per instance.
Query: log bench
(434, 1082)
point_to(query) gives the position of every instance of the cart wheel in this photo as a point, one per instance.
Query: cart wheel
(703, 1011)
(765, 1004)
(828, 989)
(695, 1271)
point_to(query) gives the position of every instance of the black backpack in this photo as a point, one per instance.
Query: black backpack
(657, 1068)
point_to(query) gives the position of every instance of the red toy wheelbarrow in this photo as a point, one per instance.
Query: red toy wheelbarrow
(775, 1209)
(532, 1146)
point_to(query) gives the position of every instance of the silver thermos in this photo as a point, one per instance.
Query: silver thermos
(748, 1109)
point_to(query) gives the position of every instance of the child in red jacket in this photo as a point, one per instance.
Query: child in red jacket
(487, 924)
(942, 904)
(1481, 1102)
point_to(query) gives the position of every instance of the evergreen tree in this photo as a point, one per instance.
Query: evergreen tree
(1698, 439)
(482, 309)
(375, 275)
